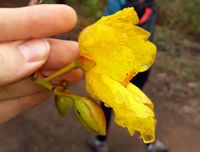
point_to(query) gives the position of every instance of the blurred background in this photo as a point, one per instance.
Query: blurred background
(174, 86)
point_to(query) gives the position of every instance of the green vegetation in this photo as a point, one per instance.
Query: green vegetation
(181, 15)
(177, 15)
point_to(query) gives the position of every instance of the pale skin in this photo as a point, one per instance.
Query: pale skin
(21, 28)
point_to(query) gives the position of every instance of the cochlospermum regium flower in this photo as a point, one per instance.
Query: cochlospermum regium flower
(120, 50)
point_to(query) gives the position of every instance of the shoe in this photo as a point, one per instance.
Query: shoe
(96, 145)
(157, 146)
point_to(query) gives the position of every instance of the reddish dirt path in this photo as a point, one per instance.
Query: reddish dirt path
(42, 129)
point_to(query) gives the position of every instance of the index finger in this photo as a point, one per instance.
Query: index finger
(35, 21)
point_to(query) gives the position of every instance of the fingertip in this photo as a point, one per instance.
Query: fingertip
(19, 59)
(73, 16)
(35, 50)
(68, 15)
(36, 21)
(62, 53)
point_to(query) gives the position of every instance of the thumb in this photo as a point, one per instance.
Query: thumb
(21, 58)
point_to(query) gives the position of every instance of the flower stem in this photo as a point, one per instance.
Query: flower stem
(64, 70)
(45, 84)
(65, 93)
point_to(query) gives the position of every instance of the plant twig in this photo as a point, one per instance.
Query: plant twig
(64, 70)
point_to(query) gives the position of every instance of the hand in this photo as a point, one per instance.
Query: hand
(25, 48)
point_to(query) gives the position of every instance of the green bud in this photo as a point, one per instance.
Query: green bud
(90, 115)
(63, 104)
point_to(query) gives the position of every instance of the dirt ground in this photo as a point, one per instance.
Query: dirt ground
(173, 86)
(42, 129)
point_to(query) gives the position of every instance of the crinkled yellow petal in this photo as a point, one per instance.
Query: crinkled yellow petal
(119, 48)
(130, 109)
(127, 15)
(139, 95)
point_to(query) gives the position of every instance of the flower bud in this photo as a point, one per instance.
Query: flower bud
(63, 104)
(90, 115)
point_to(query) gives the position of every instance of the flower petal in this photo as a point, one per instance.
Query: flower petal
(119, 48)
(139, 95)
(128, 15)
(129, 111)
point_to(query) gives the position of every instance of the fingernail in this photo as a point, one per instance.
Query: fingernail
(35, 50)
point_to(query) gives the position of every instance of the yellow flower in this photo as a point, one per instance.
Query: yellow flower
(120, 50)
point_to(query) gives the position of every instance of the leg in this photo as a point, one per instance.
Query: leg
(108, 114)
(140, 79)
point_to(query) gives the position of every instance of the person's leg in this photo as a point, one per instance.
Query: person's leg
(108, 113)
(140, 80)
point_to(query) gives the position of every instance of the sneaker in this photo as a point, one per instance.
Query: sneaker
(157, 146)
(96, 145)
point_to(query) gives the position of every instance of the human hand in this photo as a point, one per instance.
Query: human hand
(25, 48)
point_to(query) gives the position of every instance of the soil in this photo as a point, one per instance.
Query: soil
(173, 86)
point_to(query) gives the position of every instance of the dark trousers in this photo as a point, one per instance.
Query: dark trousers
(139, 80)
